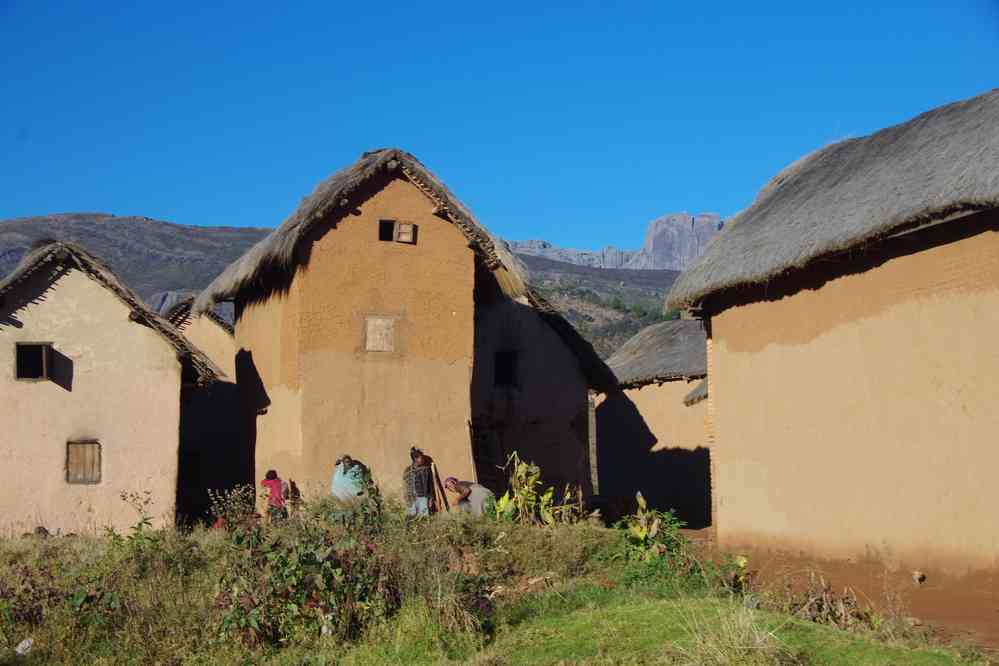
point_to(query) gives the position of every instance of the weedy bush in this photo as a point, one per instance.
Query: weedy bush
(527, 503)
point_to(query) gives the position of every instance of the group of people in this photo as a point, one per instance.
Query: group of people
(423, 492)
(422, 489)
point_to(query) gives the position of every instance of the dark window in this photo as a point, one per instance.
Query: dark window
(505, 372)
(386, 230)
(33, 360)
(83, 462)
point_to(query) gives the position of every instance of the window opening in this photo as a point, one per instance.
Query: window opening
(505, 371)
(83, 462)
(386, 230)
(34, 360)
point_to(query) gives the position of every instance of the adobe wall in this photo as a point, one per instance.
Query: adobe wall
(269, 381)
(216, 342)
(374, 405)
(116, 381)
(545, 415)
(648, 440)
(858, 417)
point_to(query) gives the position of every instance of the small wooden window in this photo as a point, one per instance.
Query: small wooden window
(399, 232)
(505, 369)
(379, 335)
(83, 462)
(34, 359)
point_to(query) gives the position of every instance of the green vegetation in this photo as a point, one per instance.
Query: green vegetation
(360, 584)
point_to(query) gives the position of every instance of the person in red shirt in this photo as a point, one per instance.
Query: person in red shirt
(276, 495)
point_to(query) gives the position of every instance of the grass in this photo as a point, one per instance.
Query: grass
(454, 590)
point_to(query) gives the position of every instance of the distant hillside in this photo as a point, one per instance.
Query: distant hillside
(672, 242)
(163, 261)
(606, 305)
(149, 255)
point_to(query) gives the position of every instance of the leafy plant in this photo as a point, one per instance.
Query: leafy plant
(652, 534)
(525, 502)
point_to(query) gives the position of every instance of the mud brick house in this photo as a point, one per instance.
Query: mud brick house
(92, 385)
(852, 315)
(652, 430)
(382, 315)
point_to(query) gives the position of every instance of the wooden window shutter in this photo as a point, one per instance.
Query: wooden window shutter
(83, 462)
(405, 232)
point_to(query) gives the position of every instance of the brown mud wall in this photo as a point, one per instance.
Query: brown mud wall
(115, 381)
(323, 393)
(544, 415)
(855, 412)
(648, 440)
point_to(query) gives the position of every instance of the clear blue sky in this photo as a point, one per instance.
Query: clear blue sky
(575, 123)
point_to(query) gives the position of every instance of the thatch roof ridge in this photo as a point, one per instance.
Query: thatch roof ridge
(276, 251)
(46, 252)
(936, 165)
(662, 352)
(179, 314)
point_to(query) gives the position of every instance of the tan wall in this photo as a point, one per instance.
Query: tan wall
(861, 416)
(214, 341)
(545, 416)
(120, 384)
(372, 405)
(648, 440)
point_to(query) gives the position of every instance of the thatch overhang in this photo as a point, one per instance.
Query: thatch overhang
(668, 351)
(271, 263)
(50, 254)
(937, 166)
(179, 314)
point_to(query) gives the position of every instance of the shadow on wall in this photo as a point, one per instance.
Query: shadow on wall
(677, 479)
(218, 435)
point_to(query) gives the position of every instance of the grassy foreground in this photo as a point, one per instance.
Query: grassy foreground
(364, 586)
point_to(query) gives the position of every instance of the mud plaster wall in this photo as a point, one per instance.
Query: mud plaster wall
(545, 416)
(119, 383)
(649, 441)
(214, 341)
(267, 375)
(375, 405)
(861, 416)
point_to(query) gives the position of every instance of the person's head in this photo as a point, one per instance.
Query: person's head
(415, 454)
(270, 475)
(451, 484)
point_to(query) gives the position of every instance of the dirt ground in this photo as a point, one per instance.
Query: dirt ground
(959, 609)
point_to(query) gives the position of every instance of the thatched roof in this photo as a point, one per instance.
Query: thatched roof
(697, 394)
(179, 314)
(274, 259)
(939, 164)
(51, 253)
(662, 352)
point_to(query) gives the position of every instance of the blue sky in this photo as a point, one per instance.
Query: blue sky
(577, 123)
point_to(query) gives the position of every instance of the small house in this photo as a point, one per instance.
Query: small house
(852, 314)
(651, 430)
(92, 384)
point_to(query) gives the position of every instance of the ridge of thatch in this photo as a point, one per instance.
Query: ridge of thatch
(662, 352)
(336, 196)
(179, 314)
(274, 258)
(52, 252)
(697, 394)
(937, 165)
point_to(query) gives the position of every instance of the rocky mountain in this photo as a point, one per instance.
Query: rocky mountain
(672, 242)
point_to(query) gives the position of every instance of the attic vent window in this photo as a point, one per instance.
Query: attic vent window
(398, 232)
(34, 359)
(83, 462)
(505, 369)
(379, 334)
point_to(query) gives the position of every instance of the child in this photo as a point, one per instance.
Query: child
(276, 509)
